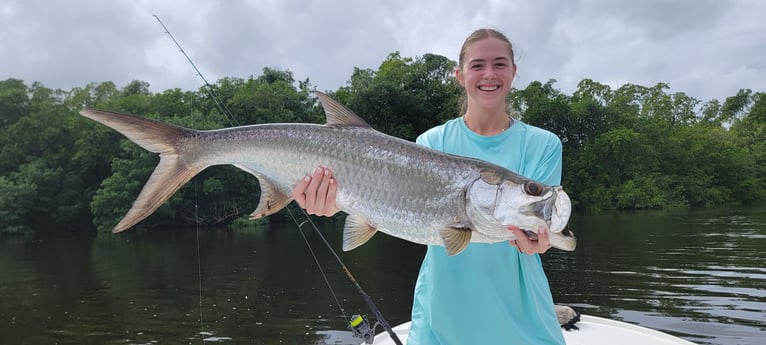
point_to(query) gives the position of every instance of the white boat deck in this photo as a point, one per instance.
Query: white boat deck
(592, 331)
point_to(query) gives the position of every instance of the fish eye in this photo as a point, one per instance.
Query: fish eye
(533, 188)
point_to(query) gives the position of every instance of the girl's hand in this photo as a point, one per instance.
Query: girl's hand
(316, 193)
(527, 245)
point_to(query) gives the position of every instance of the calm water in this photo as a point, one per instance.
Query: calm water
(697, 274)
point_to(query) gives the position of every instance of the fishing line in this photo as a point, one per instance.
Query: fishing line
(367, 299)
(199, 255)
(357, 322)
(316, 260)
(209, 88)
(233, 121)
(199, 267)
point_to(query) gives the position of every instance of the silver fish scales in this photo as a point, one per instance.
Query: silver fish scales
(384, 183)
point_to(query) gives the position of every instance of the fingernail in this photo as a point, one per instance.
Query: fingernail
(319, 169)
(326, 172)
(307, 178)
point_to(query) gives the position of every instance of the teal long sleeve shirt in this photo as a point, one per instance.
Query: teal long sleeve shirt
(489, 293)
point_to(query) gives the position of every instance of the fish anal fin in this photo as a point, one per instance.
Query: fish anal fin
(338, 114)
(455, 239)
(357, 231)
(272, 199)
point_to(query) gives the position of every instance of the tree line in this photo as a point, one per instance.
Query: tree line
(634, 147)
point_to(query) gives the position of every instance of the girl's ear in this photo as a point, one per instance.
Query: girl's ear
(515, 69)
(459, 76)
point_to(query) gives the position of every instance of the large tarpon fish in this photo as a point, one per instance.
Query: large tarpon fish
(384, 183)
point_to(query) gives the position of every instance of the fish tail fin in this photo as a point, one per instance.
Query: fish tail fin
(171, 173)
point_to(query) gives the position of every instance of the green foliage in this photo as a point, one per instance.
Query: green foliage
(641, 147)
(39, 196)
(405, 96)
(14, 101)
(130, 170)
(16, 200)
(245, 223)
(44, 188)
(272, 97)
(632, 147)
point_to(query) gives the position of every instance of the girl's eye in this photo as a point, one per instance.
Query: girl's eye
(476, 66)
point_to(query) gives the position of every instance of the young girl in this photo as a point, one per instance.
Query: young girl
(489, 293)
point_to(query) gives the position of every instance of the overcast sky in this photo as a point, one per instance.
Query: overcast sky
(705, 48)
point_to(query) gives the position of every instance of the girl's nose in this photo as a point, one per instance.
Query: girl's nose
(490, 75)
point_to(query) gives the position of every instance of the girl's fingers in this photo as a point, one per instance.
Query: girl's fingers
(543, 240)
(299, 191)
(321, 193)
(316, 193)
(528, 246)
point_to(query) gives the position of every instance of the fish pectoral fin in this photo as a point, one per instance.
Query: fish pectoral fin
(272, 199)
(455, 239)
(357, 231)
(492, 176)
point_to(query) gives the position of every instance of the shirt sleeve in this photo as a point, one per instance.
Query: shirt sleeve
(549, 169)
(429, 138)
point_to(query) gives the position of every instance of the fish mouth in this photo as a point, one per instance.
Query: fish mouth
(530, 234)
(533, 235)
(564, 240)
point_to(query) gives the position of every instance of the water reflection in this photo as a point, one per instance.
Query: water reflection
(697, 274)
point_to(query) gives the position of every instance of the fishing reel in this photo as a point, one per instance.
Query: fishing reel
(360, 326)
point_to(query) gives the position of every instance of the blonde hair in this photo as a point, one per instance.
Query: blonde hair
(478, 35)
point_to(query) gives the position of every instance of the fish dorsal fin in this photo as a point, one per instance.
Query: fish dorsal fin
(455, 239)
(337, 114)
(356, 232)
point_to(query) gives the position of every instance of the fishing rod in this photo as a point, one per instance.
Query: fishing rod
(359, 325)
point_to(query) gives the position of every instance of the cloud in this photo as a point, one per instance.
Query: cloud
(707, 48)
